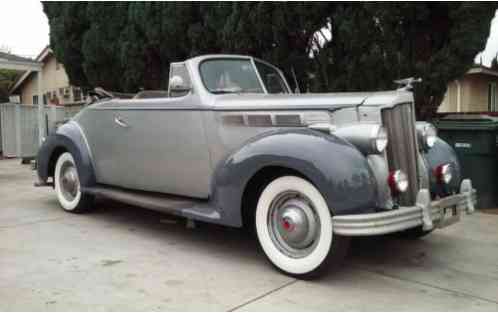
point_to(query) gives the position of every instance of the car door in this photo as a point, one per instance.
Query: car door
(153, 145)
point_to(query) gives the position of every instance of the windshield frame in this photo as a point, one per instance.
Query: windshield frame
(276, 69)
(253, 64)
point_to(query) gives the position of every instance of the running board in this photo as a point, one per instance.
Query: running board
(177, 205)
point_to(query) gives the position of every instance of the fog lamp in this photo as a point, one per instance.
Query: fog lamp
(444, 173)
(398, 181)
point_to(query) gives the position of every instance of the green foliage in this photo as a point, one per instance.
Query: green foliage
(7, 78)
(494, 63)
(127, 46)
(68, 24)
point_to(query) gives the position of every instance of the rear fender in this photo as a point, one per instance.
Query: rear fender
(69, 137)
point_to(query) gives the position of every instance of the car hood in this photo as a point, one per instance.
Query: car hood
(317, 101)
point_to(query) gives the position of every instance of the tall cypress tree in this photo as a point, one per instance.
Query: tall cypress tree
(127, 46)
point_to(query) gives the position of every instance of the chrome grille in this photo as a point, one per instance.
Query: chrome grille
(402, 150)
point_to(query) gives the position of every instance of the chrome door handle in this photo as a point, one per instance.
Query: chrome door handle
(118, 120)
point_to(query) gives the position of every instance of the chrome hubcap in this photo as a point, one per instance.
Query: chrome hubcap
(293, 224)
(69, 181)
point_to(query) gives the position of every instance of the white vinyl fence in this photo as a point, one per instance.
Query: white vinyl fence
(19, 126)
(56, 115)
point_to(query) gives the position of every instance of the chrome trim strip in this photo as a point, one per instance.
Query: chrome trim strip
(282, 76)
(157, 108)
(259, 76)
(402, 150)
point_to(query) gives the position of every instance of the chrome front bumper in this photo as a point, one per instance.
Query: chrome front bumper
(425, 213)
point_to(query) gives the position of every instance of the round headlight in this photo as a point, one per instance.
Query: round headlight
(444, 173)
(398, 181)
(427, 135)
(380, 140)
(368, 138)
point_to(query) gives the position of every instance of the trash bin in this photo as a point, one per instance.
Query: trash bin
(475, 139)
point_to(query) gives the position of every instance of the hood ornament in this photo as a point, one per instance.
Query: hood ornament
(406, 84)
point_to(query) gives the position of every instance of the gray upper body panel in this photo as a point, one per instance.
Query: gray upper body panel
(157, 145)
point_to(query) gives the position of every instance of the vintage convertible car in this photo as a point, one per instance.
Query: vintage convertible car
(229, 143)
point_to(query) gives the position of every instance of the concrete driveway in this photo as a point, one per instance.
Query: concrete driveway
(125, 258)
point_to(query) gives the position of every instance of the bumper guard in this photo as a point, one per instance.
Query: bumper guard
(425, 213)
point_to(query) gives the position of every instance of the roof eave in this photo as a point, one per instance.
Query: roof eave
(39, 60)
(481, 70)
(19, 81)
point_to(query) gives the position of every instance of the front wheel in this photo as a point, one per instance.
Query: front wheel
(67, 185)
(294, 228)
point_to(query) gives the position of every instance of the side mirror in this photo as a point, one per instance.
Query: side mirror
(177, 84)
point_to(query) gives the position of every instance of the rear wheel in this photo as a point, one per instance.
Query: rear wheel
(67, 186)
(294, 228)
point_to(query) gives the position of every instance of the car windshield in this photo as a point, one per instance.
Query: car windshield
(230, 76)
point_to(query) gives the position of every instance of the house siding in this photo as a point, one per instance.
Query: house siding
(53, 80)
(473, 94)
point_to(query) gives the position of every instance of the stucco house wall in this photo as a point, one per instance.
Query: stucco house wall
(55, 82)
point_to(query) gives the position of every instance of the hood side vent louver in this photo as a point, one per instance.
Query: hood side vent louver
(288, 120)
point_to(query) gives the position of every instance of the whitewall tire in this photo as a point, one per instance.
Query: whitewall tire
(67, 185)
(294, 228)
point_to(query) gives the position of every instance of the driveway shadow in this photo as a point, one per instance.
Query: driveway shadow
(240, 245)
(209, 238)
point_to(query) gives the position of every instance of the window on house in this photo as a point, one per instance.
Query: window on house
(77, 94)
(492, 100)
(35, 99)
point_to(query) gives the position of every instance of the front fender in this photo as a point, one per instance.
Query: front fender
(439, 154)
(68, 137)
(334, 166)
